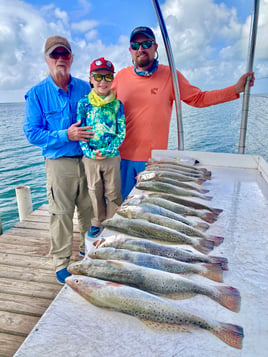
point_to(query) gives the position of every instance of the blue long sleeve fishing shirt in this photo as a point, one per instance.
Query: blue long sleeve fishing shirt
(49, 112)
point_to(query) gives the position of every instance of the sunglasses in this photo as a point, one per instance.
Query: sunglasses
(64, 55)
(99, 77)
(144, 44)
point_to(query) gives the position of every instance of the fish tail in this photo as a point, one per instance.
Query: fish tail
(202, 190)
(230, 334)
(201, 226)
(204, 245)
(209, 217)
(200, 181)
(205, 172)
(228, 297)
(217, 240)
(217, 211)
(207, 198)
(212, 272)
(223, 262)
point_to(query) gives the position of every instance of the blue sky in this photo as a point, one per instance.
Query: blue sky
(209, 38)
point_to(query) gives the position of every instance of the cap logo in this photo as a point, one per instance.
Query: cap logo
(100, 63)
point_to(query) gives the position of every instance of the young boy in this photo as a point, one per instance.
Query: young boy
(105, 114)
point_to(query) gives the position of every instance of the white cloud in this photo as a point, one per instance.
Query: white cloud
(209, 41)
(84, 26)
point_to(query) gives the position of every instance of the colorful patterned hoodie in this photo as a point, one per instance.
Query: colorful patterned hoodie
(106, 116)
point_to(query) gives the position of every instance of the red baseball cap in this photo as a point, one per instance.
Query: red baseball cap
(101, 63)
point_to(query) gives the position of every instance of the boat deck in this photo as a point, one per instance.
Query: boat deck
(27, 278)
(240, 187)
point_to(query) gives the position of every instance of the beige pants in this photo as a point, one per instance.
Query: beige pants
(104, 187)
(66, 189)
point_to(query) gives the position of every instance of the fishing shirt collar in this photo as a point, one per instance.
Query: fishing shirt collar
(149, 72)
(70, 84)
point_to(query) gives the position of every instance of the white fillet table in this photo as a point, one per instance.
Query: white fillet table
(73, 327)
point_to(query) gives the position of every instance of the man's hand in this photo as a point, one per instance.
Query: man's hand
(79, 133)
(241, 84)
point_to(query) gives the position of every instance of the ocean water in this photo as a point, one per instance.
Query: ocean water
(213, 129)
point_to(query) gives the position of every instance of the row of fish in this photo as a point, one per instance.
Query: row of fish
(141, 269)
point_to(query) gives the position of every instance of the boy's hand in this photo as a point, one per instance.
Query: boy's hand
(98, 155)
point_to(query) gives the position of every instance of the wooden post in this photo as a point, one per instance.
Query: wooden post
(24, 201)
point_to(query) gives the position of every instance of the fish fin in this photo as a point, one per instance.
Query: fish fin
(212, 272)
(228, 297)
(230, 334)
(164, 326)
(204, 245)
(113, 262)
(113, 284)
(97, 243)
(201, 226)
(216, 239)
(222, 261)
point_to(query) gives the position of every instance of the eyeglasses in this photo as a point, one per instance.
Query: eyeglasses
(144, 44)
(64, 55)
(99, 77)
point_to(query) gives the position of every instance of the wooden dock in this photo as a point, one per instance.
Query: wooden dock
(27, 278)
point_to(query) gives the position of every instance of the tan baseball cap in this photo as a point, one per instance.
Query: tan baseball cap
(56, 41)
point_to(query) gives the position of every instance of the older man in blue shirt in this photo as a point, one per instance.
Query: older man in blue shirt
(50, 123)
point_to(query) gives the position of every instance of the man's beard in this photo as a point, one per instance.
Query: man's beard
(61, 74)
(143, 62)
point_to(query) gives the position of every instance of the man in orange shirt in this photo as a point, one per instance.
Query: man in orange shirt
(146, 90)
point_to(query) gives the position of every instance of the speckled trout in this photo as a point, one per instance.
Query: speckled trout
(181, 179)
(185, 201)
(134, 212)
(158, 282)
(168, 188)
(194, 175)
(179, 165)
(162, 177)
(149, 308)
(169, 251)
(144, 229)
(210, 271)
(136, 200)
(209, 217)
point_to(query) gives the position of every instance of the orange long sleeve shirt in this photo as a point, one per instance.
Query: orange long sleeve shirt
(148, 105)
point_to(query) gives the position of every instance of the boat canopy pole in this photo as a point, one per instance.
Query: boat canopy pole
(245, 106)
(173, 72)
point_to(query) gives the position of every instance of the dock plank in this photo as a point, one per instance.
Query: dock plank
(28, 273)
(29, 288)
(27, 278)
(18, 324)
(27, 305)
(9, 344)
